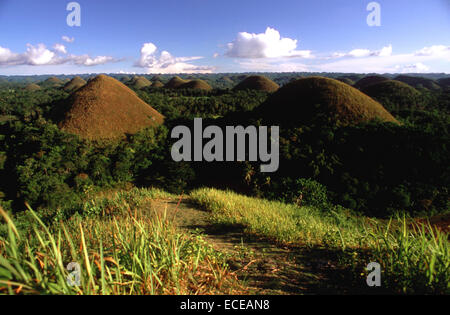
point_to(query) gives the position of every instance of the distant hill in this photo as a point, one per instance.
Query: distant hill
(346, 81)
(366, 81)
(393, 94)
(52, 82)
(74, 84)
(175, 83)
(158, 84)
(196, 85)
(138, 82)
(107, 109)
(257, 82)
(418, 82)
(125, 79)
(319, 100)
(444, 83)
(32, 87)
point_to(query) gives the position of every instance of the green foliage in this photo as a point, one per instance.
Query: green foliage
(126, 254)
(415, 259)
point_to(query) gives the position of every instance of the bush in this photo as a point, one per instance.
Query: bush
(306, 192)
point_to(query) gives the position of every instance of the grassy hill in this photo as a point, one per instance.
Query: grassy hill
(139, 82)
(257, 82)
(175, 83)
(393, 94)
(418, 82)
(32, 87)
(196, 85)
(105, 109)
(365, 82)
(318, 99)
(74, 84)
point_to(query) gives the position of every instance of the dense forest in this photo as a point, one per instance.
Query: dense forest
(375, 168)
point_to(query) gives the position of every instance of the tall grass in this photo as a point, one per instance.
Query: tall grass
(414, 259)
(132, 251)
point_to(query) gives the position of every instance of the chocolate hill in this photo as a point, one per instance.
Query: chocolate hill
(32, 87)
(175, 83)
(74, 84)
(257, 82)
(52, 82)
(319, 100)
(139, 82)
(158, 84)
(444, 83)
(393, 94)
(373, 79)
(418, 82)
(346, 81)
(107, 109)
(196, 85)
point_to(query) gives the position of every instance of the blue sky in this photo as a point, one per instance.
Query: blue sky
(196, 36)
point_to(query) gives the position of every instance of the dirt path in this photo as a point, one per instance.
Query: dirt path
(264, 267)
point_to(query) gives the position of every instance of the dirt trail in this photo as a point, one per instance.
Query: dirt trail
(265, 267)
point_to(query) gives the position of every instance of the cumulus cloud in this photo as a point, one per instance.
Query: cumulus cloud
(360, 53)
(413, 68)
(60, 48)
(40, 55)
(434, 51)
(68, 39)
(86, 60)
(265, 45)
(164, 62)
(384, 61)
(265, 65)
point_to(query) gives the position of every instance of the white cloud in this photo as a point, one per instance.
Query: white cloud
(60, 48)
(166, 63)
(7, 57)
(361, 53)
(383, 61)
(68, 39)
(413, 68)
(39, 55)
(434, 51)
(265, 45)
(264, 65)
(86, 60)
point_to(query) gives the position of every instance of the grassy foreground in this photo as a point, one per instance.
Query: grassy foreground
(414, 258)
(122, 245)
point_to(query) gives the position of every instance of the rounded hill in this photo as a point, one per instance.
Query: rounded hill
(32, 87)
(257, 82)
(139, 82)
(196, 85)
(418, 82)
(74, 84)
(107, 109)
(52, 82)
(444, 82)
(346, 81)
(319, 100)
(393, 94)
(175, 83)
(365, 82)
(158, 84)
(125, 79)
